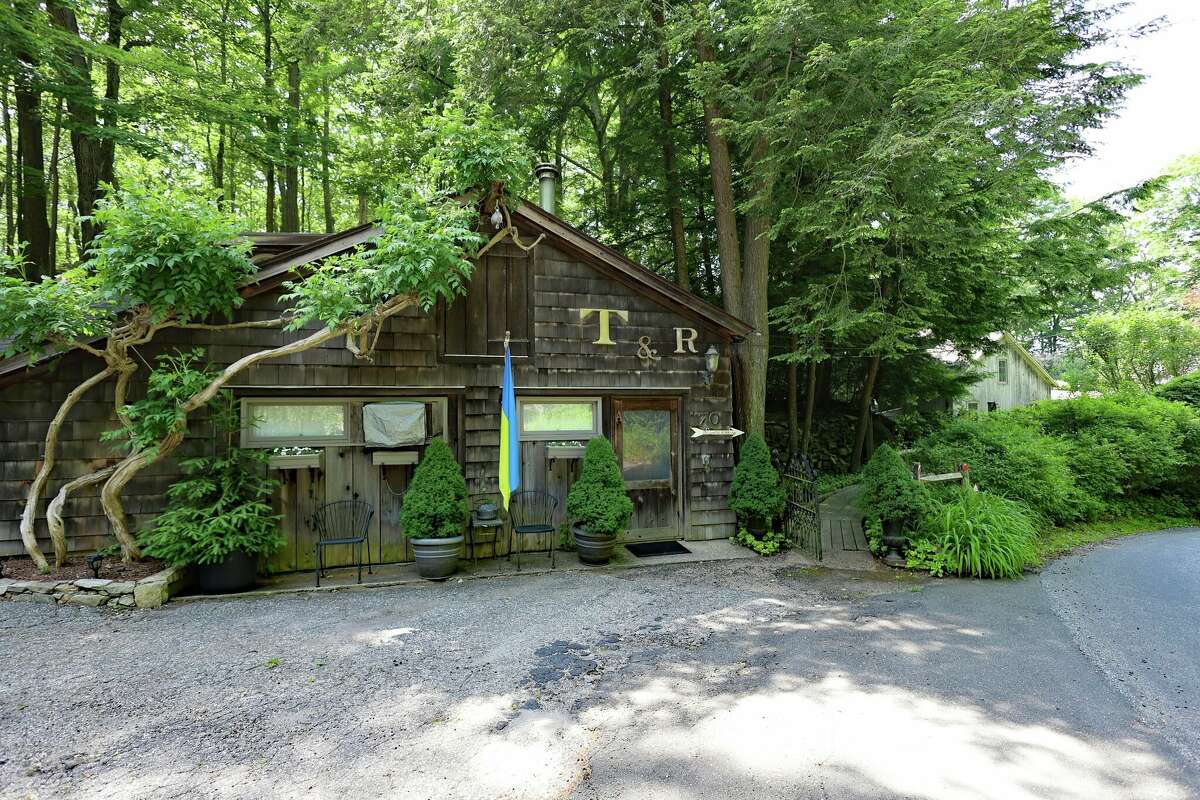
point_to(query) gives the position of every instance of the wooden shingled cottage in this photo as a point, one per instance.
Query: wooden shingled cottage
(600, 345)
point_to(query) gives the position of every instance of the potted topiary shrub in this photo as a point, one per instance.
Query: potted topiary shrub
(218, 520)
(756, 496)
(597, 504)
(436, 511)
(890, 494)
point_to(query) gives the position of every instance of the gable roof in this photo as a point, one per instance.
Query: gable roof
(280, 255)
(1028, 358)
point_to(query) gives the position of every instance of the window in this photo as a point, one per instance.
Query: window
(553, 418)
(992, 406)
(973, 406)
(499, 298)
(646, 445)
(1002, 370)
(275, 422)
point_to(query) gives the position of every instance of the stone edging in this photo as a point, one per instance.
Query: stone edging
(149, 592)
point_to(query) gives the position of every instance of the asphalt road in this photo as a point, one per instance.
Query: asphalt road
(737, 680)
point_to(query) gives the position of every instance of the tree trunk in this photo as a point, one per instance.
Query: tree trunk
(32, 227)
(49, 454)
(54, 511)
(864, 414)
(55, 154)
(724, 209)
(364, 211)
(290, 220)
(326, 191)
(10, 216)
(810, 404)
(271, 123)
(755, 306)
(670, 170)
(793, 401)
(92, 155)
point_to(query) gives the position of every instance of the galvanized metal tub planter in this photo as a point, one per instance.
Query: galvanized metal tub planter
(437, 558)
(593, 549)
(234, 573)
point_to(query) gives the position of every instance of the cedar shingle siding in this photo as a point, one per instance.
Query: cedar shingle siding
(413, 358)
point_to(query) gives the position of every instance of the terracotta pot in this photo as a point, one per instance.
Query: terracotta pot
(593, 549)
(234, 573)
(437, 558)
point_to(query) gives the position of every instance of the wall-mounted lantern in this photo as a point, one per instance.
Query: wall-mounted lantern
(712, 360)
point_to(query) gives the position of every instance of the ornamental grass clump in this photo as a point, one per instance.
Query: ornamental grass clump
(981, 535)
(756, 496)
(435, 505)
(597, 501)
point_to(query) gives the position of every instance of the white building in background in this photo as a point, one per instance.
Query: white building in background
(1012, 378)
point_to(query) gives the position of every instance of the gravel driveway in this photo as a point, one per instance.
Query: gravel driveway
(716, 680)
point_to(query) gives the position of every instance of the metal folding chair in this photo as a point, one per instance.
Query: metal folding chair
(531, 513)
(344, 522)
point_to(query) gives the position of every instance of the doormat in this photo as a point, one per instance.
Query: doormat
(647, 549)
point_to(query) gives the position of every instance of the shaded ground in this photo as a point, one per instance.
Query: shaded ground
(720, 680)
(22, 568)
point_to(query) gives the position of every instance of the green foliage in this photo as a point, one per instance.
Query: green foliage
(1010, 457)
(469, 147)
(435, 505)
(170, 250)
(174, 379)
(889, 490)
(980, 535)
(53, 311)
(1182, 389)
(924, 554)
(221, 506)
(421, 253)
(756, 492)
(771, 543)
(1125, 445)
(597, 501)
(1137, 347)
(873, 528)
(828, 483)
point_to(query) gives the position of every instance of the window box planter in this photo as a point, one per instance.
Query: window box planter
(298, 461)
(389, 457)
(565, 451)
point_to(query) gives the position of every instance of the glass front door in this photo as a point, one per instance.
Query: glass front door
(646, 440)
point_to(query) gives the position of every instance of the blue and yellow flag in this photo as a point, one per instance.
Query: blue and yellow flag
(510, 446)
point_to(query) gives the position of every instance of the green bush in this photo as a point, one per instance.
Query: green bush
(1125, 445)
(979, 535)
(889, 491)
(597, 501)
(435, 505)
(1184, 389)
(1009, 456)
(221, 506)
(756, 492)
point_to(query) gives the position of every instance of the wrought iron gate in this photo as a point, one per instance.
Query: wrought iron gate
(802, 517)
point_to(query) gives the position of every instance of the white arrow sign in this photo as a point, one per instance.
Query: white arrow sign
(722, 433)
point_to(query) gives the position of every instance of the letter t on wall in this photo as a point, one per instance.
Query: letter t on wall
(605, 337)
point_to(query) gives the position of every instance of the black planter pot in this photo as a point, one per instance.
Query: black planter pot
(596, 549)
(758, 526)
(895, 541)
(235, 573)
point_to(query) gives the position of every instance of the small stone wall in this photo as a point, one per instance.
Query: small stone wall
(149, 592)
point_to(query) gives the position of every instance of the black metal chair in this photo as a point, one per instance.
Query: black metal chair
(344, 522)
(531, 513)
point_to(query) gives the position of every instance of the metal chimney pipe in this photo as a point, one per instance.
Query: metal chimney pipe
(547, 175)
